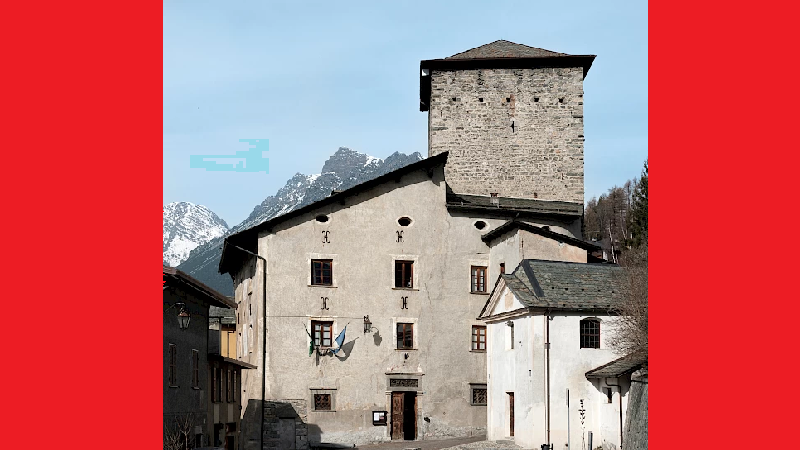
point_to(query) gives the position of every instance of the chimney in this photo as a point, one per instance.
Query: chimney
(494, 200)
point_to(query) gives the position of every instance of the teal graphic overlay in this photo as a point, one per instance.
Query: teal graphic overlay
(251, 160)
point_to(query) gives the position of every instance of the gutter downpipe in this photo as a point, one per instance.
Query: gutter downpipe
(263, 336)
(619, 390)
(547, 373)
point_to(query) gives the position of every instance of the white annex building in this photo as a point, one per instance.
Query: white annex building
(361, 311)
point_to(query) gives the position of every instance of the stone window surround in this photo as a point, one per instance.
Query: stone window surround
(329, 391)
(330, 256)
(334, 332)
(415, 326)
(472, 387)
(414, 275)
(487, 283)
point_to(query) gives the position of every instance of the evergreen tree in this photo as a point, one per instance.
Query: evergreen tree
(637, 216)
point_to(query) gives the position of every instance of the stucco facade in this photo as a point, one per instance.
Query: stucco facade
(535, 352)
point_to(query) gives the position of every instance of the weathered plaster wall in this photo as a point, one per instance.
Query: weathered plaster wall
(522, 370)
(471, 113)
(361, 237)
(515, 245)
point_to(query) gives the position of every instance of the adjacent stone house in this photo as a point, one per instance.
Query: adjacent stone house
(360, 311)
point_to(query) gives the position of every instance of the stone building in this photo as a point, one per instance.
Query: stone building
(400, 267)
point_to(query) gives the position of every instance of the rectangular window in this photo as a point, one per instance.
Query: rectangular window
(479, 338)
(173, 361)
(230, 387)
(235, 377)
(322, 272)
(405, 335)
(502, 267)
(322, 333)
(404, 274)
(322, 402)
(590, 333)
(478, 279)
(478, 394)
(214, 385)
(195, 369)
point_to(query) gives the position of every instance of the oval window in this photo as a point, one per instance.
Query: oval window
(404, 221)
(322, 218)
(480, 224)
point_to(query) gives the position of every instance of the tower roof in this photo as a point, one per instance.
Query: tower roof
(505, 49)
(497, 55)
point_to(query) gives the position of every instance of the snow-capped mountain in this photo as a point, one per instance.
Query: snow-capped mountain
(186, 226)
(345, 169)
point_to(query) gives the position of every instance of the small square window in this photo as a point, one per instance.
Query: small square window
(478, 394)
(479, 338)
(405, 336)
(478, 278)
(322, 272)
(322, 402)
(404, 274)
(322, 333)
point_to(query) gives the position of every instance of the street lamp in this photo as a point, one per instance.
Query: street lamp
(183, 315)
(183, 318)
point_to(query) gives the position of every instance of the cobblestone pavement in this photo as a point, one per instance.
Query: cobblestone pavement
(432, 444)
(500, 445)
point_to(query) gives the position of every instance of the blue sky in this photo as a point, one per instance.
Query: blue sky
(314, 76)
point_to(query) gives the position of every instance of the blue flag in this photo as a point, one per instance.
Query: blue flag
(339, 340)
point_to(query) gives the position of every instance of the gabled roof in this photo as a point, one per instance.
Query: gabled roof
(505, 49)
(542, 231)
(558, 285)
(246, 238)
(618, 367)
(496, 55)
(173, 277)
(510, 207)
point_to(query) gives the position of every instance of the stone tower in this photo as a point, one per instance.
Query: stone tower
(511, 117)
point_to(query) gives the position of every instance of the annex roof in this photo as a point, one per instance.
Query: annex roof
(542, 231)
(173, 276)
(497, 54)
(246, 238)
(618, 367)
(558, 285)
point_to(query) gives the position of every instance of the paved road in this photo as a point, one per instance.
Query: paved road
(433, 444)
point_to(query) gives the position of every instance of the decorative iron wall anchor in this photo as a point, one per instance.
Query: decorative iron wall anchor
(325, 237)
(324, 303)
(399, 235)
(405, 302)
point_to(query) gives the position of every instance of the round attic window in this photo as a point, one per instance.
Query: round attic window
(322, 218)
(480, 224)
(404, 221)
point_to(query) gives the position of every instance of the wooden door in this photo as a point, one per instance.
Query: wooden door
(511, 411)
(397, 415)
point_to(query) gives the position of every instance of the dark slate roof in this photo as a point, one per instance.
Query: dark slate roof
(505, 49)
(173, 276)
(542, 231)
(566, 285)
(247, 238)
(498, 54)
(625, 365)
(226, 316)
(511, 206)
